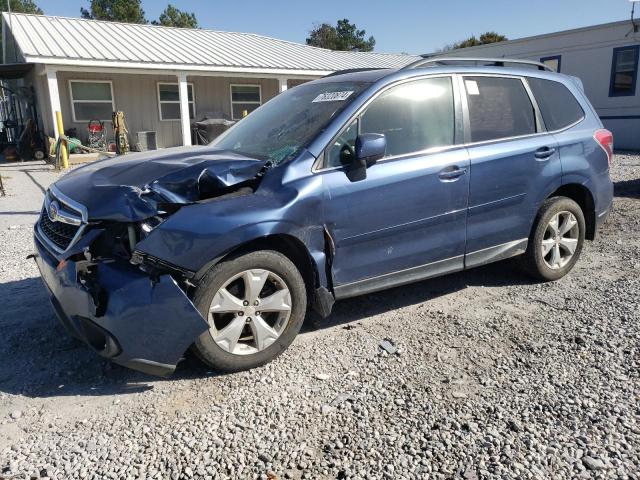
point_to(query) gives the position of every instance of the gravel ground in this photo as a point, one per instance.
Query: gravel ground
(495, 377)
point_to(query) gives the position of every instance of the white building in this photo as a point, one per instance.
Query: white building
(604, 57)
(162, 78)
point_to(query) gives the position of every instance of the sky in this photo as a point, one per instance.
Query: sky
(411, 26)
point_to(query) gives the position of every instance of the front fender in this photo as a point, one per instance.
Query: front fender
(199, 235)
(312, 237)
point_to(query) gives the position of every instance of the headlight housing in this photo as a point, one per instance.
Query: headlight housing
(148, 225)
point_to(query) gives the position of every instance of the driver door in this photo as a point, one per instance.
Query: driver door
(405, 220)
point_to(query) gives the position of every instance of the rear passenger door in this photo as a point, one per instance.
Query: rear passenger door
(513, 161)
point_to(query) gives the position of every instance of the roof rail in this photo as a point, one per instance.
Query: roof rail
(494, 62)
(353, 70)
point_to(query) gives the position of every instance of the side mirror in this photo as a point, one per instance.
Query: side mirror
(369, 148)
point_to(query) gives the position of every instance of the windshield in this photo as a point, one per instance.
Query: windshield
(278, 129)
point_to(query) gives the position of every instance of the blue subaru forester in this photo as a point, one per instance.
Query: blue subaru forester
(346, 185)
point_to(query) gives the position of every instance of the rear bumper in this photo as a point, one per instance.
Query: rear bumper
(601, 217)
(122, 313)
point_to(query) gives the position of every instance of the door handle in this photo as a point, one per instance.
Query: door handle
(544, 153)
(451, 173)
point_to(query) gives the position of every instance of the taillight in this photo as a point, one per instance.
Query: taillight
(605, 139)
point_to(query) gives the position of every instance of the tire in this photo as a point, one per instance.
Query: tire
(254, 347)
(541, 259)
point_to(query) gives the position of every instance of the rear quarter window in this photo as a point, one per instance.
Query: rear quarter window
(558, 106)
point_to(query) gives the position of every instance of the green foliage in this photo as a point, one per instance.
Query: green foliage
(492, 37)
(173, 17)
(21, 6)
(127, 11)
(472, 41)
(344, 36)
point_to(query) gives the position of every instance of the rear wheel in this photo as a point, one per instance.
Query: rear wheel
(557, 239)
(255, 305)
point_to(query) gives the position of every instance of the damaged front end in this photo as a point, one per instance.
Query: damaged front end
(130, 308)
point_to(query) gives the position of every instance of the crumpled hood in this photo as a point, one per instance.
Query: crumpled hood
(127, 188)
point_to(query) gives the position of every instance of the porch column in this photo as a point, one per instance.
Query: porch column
(282, 84)
(184, 109)
(54, 98)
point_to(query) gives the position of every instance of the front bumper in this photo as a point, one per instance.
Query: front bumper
(121, 312)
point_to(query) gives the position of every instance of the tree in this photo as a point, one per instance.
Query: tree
(127, 11)
(323, 36)
(21, 6)
(344, 36)
(492, 37)
(173, 17)
(472, 41)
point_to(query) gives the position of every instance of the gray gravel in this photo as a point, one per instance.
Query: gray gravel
(494, 377)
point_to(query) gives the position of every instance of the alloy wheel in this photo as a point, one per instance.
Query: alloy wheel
(560, 240)
(249, 312)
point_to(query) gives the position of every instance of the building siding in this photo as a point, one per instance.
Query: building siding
(587, 54)
(39, 84)
(137, 97)
(213, 94)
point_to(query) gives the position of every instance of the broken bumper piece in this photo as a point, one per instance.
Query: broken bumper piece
(122, 313)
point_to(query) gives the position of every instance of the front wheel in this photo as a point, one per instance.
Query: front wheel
(557, 239)
(255, 305)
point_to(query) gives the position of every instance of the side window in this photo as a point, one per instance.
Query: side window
(499, 107)
(624, 71)
(414, 116)
(558, 106)
(347, 137)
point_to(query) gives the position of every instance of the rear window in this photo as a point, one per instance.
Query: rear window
(557, 104)
(498, 108)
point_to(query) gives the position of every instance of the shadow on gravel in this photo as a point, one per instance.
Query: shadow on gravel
(31, 212)
(39, 359)
(499, 274)
(22, 167)
(43, 188)
(627, 188)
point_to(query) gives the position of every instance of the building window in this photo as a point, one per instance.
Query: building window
(244, 100)
(169, 101)
(624, 71)
(552, 62)
(91, 100)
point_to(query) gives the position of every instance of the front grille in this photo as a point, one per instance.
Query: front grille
(59, 233)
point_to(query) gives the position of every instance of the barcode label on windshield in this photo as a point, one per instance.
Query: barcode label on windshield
(332, 97)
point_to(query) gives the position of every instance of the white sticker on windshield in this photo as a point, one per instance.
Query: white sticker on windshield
(472, 87)
(332, 96)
